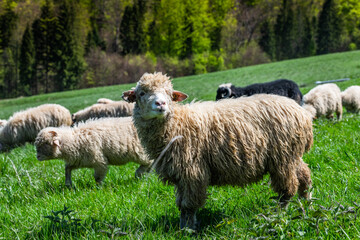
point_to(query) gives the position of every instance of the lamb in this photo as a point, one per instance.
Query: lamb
(281, 87)
(93, 144)
(324, 100)
(233, 141)
(100, 110)
(351, 99)
(24, 126)
(104, 100)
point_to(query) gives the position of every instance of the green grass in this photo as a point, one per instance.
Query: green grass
(124, 207)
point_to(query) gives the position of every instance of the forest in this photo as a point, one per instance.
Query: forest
(57, 45)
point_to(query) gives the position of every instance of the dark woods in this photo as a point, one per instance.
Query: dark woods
(57, 45)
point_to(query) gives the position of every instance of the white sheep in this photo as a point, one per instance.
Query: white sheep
(2, 123)
(231, 141)
(101, 110)
(325, 99)
(93, 144)
(24, 126)
(351, 99)
(104, 100)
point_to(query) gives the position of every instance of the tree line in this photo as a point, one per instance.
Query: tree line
(57, 45)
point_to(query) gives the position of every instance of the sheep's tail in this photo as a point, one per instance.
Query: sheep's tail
(153, 165)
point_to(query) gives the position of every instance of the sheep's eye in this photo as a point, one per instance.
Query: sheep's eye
(142, 94)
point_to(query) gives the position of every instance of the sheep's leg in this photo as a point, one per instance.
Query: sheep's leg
(339, 112)
(141, 170)
(303, 174)
(285, 182)
(68, 170)
(100, 173)
(189, 199)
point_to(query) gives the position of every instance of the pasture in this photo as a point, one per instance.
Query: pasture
(35, 204)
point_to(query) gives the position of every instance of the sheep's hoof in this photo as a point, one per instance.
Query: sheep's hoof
(188, 221)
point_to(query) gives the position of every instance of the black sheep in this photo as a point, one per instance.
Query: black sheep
(282, 87)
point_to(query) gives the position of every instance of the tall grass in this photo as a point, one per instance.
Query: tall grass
(35, 204)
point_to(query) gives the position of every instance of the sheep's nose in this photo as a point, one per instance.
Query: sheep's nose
(159, 103)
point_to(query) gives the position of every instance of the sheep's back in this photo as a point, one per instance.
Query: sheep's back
(24, 126)
(238, 137)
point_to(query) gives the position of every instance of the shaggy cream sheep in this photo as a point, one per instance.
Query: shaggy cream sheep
(325, 99)
(93, 144)
(100, 110)
(351, 99)
(232, 141)
(2, 123)
(104, 100)
(24, 126)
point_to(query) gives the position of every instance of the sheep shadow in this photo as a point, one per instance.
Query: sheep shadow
(206, 218)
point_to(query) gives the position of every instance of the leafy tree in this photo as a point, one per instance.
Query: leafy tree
(27, 62)
(7, 23)
(8, 49)
(329, 28)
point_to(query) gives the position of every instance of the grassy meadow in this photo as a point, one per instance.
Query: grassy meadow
(35, 204)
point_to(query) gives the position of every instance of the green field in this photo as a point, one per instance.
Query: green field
(33, 193)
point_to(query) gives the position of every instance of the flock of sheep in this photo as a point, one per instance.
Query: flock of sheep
(247, 133)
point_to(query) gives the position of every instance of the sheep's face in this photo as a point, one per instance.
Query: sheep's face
(224, 91)
(47, 145)
(153, 96)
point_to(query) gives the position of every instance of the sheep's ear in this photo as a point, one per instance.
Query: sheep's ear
(53, 133)
(179, 96)
(56, 142)
(129, 96)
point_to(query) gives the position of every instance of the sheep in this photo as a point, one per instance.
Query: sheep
(24, 125)
(324, 100)
(100, 110)
(282, 87)
(104, 100)
(351, 99)
(232, 141)
(2, 123)
(95, 144)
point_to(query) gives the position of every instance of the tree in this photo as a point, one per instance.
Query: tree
(267, 39)
(329, 28)
(284, 27)
(132, 35)
(69, 63)
(44, 33)
(8, 50)
(27, 62)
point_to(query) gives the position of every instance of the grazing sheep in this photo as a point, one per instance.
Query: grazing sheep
(24, 126)
(325, 99)
(93, 144)
(351, 99)
(2, 123)
(101, 110)
(281, 87)
(104, 100)
(233, 141)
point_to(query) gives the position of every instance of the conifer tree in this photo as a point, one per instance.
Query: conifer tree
(44, 34)
(132, 35)
(68, 59)
(329, 28)
(284, 31)
(267, 39)
(27, 62)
